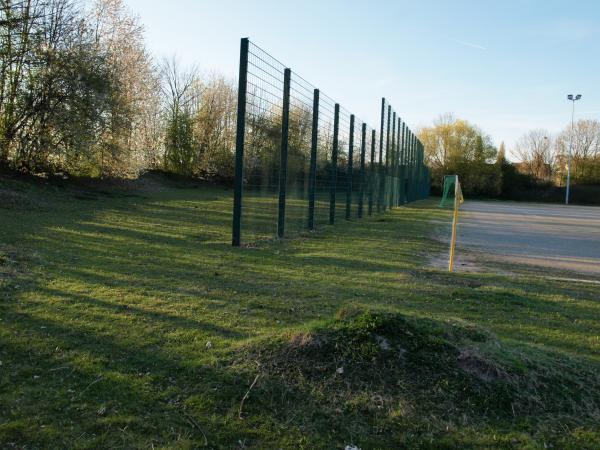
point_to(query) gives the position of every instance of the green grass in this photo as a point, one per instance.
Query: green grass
(128, 321)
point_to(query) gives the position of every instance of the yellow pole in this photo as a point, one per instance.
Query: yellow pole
(454, 223)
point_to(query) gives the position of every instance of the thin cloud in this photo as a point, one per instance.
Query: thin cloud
(470, 44)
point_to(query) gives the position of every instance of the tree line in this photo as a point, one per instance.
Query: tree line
(455, 146)
(80, 94)
(545, 157)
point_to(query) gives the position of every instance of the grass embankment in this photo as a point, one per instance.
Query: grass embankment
(128, 321)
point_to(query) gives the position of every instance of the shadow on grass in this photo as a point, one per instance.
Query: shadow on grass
(134, 289)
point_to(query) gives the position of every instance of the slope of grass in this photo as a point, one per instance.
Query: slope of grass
(128, 321)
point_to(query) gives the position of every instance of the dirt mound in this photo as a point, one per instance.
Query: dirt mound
(406, 368)
(364, 346)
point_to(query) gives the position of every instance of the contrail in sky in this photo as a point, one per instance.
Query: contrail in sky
(469, 44)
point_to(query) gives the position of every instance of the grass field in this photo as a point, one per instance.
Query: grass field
(128, 321)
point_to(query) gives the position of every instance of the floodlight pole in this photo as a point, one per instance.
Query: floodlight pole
(572, 99)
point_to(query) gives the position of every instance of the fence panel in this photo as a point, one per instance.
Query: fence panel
(262, 144)
(303, 161)
(372, 174)
(325, 134)
(359, 166)
(299, 155)
(343, 165)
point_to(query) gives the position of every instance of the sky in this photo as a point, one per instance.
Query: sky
(506, 66)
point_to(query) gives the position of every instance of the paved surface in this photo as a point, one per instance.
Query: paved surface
(556, 236)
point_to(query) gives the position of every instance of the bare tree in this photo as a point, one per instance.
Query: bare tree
(180, 90)
(536, 153)
(585, 163)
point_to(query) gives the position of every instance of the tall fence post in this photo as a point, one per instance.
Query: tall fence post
(409, 167)
(418, 168)
(402, 157)
(392, 160)
(380, 165)
(424, 172)
(420, 171)
(350, 169)
(397, 170)
(415, 169)
(386, 170)
(408, 163)
(372, 172)
(334, 158)
(283, 166)
(312, 181)
(412, 167)
(239, 144)
(363, 149)
(425, 175)
(395, 161)
(399, 139)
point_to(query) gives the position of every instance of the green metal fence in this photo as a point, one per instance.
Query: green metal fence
(303, 161)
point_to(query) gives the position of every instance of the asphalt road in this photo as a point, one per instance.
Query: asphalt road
(555, 236)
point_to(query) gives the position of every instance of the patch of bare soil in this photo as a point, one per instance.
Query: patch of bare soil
(465, 262)
(471, 361)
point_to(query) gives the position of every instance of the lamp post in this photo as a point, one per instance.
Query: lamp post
(545, 173)
(572, 98)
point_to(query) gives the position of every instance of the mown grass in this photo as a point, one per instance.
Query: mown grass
(128, 321)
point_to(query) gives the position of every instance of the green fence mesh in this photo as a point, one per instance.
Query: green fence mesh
(303, 161)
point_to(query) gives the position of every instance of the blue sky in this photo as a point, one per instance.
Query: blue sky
(506, 66)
